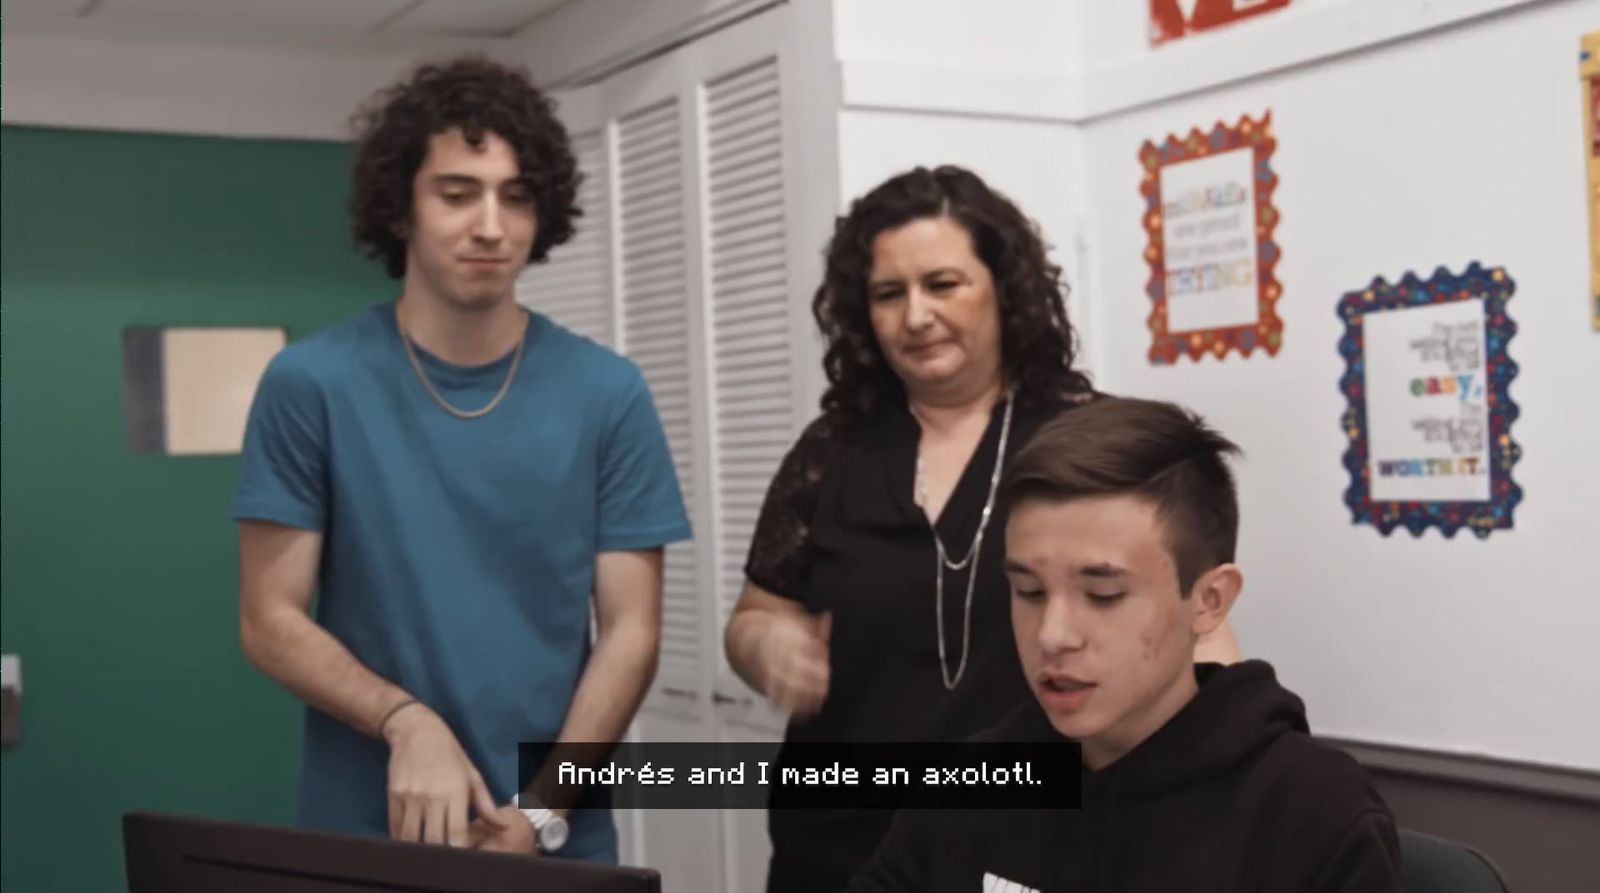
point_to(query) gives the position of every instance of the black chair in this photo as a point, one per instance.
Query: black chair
(1434, 865)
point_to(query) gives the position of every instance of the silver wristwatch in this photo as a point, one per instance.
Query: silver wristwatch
(549, 829)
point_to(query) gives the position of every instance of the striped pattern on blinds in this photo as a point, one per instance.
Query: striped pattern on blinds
(656, 334)
(573, 287)
(752, 392)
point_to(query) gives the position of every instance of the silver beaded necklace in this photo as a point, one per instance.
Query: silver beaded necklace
(943, 561)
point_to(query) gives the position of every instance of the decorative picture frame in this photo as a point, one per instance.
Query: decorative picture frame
(1428, 412)
(1209, 220)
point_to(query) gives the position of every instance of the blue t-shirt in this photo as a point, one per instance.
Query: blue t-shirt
(459, 554)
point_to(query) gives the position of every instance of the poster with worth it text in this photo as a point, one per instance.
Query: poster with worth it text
(1428, 406)
(1589, 71)
(1172, 19)
(1209, 220)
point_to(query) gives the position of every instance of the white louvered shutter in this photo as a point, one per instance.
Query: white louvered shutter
(573, 286)
(752, 388)
(655, 331)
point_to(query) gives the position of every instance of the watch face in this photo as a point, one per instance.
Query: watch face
(553, 835)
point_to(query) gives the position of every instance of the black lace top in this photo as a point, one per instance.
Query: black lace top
(840, 531)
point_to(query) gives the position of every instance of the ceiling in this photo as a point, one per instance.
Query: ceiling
(318, 21)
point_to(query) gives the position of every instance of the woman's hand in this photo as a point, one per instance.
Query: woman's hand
(794, 652)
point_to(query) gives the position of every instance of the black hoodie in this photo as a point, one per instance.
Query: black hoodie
(1232, 794)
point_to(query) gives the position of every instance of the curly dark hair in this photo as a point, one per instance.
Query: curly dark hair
(1036, 341)
(479, 96)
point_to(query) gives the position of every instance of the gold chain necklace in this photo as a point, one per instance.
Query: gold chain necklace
(505, 386)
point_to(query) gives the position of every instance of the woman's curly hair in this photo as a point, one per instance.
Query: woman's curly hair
(1036, 341)
(478, 96)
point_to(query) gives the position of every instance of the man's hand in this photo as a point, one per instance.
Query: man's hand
(506, 830)
(431, 781)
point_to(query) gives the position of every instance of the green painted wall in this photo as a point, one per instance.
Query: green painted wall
(119, 587)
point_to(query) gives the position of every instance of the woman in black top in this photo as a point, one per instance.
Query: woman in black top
(947, 342)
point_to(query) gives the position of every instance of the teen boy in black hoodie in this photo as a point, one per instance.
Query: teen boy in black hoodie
(1119, 548)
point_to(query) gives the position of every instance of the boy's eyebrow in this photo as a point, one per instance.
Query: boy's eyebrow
(466, 180)
(1101, 570)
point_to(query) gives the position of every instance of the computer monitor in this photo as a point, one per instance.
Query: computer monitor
(175, 854)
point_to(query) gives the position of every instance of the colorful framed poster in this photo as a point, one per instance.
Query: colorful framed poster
(1172, 19)
(1209, 219)
(1429, 410)
(1589, 71)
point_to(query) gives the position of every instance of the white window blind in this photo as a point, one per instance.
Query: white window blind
(656, 335)
(752, 390)
(573, 286)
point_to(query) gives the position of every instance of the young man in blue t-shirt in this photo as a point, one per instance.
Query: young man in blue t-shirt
(455, 477)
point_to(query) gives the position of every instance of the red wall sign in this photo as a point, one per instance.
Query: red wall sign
(1172, 19)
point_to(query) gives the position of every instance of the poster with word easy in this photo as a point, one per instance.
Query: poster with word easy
(1589, 71)
(1172, 19)
(1428, 410)
(1209, 220)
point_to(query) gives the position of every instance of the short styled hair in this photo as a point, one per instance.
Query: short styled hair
(478, 96)
(1156, 451)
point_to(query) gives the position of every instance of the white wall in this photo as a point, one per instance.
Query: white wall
(1011, 59)
(1464, 144)
(1024, 35)
(577, 40)
(1118, 31)
(1121, 70)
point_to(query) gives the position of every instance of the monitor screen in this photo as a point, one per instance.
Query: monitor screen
(176, 854)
